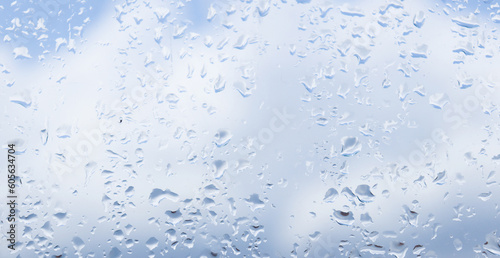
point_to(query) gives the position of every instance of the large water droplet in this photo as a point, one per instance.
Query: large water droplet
(350, 146)
(222, 137)
(345, 218)
(364, 194)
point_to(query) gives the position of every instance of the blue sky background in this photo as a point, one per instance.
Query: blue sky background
(193, 128)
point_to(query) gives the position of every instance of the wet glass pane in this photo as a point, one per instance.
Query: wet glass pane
(250, 128)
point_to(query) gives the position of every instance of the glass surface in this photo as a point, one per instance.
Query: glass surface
(251, 128)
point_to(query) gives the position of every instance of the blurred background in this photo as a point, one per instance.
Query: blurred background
(262, 128)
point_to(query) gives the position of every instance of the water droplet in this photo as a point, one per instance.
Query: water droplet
(364, 194)
(348, 10)
(219, 84)
(222, 137)
(343, 218)
(21, 53)
(485, 196)
(322, 121)
(115, 253)
(243, 88)
(366, 219)
(330, 195)
(466, 22)
(44, 136)
(157, 195)
(173, 217)
(310, 85)
(254, 202)
(457, 244)
(420, 51)
(118, 235)
(419, 19)
(440, 178)
(152, 243)
(64, 131)
(78, 244)
(350, 146)
(242, 42)
(161, 14)
(438, 100)
(211, 13)
(22, 98)
(172, 98)
(398, 249)
(219, 167)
